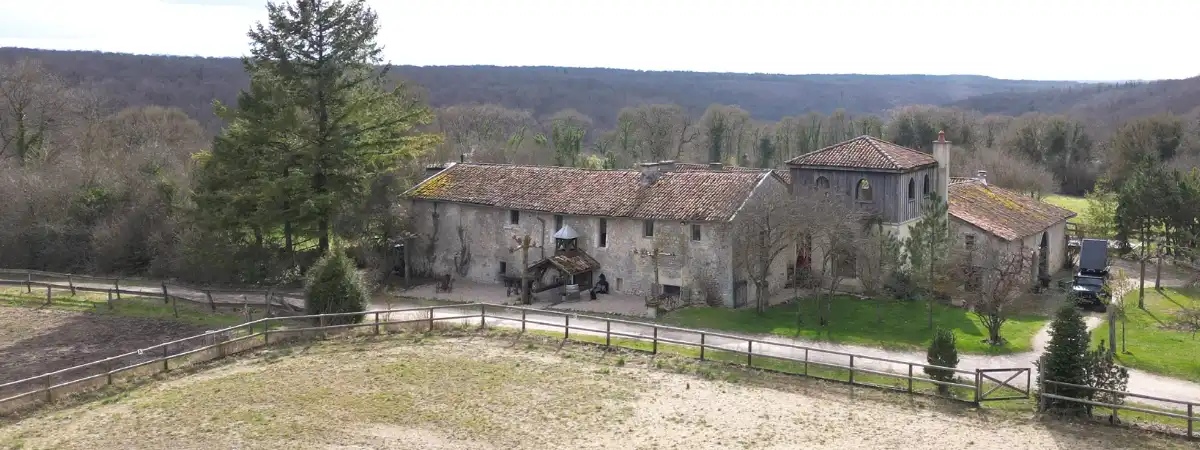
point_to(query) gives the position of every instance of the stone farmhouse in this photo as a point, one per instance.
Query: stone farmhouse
(673, 222)
(893, 182)
(666, 221)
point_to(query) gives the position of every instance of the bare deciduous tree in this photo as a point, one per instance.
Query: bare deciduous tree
(658, 129)
(763, 231)
(34, 105)
(997, 277)
(481, 132)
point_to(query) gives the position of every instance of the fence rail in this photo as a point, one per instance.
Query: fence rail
(715, 346)
(170, 292)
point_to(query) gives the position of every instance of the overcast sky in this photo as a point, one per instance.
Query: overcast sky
(1028, 39)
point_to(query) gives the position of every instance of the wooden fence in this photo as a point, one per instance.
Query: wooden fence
(750, 352)
(171, 293)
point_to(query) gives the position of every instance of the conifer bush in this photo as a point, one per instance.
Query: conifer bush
(943, 351)
(1067, 360)
(334, 286)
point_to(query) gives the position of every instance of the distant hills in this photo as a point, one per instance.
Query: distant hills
(191, 83)
(1104, 104)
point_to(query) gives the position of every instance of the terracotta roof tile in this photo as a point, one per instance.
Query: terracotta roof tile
(784, 175)
(1004, 213)
(676, 195)
(865, 152)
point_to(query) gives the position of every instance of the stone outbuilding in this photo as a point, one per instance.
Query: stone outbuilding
(631, 226)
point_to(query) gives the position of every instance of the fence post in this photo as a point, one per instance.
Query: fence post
(376, 322)
(108, 371)
(654, 349)
(167, 297)
(750, 353)
(910, 370)
(522, 320)
(978, 385)
(567, 328)
(110, 305)
(117, 287)
(29, 282)
(48, 300)
(430, 319)
(1191, 418)
(49, 394)
(702, 346)
(851, 369)
(607, 333)
(267, 330)
(482, 315)
(1042, 385)
(71, 284)
(166, 361)
(806, 362)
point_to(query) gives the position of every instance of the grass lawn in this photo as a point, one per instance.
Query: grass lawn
(1153, 344)
(129, 306)
(852, 321)
(1076, 204)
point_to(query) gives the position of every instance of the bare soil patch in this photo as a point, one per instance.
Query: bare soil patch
(483, 393)
(35, 341)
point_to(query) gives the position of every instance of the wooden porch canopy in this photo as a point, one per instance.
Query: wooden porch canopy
(569, 264)
(573, 262)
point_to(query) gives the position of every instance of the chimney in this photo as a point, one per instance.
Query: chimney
(651, 172)
(941, 152)
(982, 176)
(716, 166)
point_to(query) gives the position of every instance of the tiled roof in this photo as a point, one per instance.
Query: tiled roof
(1004, 213)
(676, 195)
(865, 152)
(784, 175)
(572, 262)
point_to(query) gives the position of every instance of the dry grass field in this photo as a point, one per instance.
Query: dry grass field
(502, 392)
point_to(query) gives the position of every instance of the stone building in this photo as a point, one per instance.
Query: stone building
(985, 215)
(892, 182)
(623, 224)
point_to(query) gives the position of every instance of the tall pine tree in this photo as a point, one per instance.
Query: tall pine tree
(325, 57)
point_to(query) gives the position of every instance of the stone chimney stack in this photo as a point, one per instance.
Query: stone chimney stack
(941, 152)
(652, 171)
(982, 175)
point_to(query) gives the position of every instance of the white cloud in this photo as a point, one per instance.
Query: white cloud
(1062, 39)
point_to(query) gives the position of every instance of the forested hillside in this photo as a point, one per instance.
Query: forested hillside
(192, 83)
(1100, 104)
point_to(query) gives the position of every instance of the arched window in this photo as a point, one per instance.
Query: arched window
(822, 183)
(925, 190)
(863, 193)
(912, 189)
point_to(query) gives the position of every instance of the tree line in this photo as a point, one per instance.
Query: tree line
(1033, 152)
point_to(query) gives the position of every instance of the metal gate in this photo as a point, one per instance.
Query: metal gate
(989, 387)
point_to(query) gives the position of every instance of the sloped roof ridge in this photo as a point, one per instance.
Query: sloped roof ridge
(875, 145)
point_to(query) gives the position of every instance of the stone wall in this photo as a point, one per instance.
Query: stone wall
(487, 239)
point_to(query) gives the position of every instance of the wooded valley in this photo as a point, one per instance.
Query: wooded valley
(122, 163)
